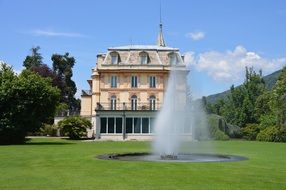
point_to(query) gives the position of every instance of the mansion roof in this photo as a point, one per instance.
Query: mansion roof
(143, 47)
(131, 57)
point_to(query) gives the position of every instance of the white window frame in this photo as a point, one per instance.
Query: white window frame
(134, 101)
(113, 103)
(134, 81)
(114, 58)
(113, 81)
(152, 81)
(173, 59)
(144, 58)
(152, 102)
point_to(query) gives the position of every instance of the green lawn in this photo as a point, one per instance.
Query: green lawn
(50, 163)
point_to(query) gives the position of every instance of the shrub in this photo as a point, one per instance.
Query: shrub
(75, 127)
(48, 130)
(217, 134)
(267, 121)
(233, 131)
(250, 131)
(201, 134)
(273, 134)
(217, 126)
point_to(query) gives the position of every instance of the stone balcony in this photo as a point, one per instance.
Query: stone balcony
(140, 106)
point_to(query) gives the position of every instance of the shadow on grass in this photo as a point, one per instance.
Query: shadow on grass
(81, 139)
(43, 142)
(48, 143)
(61, 141)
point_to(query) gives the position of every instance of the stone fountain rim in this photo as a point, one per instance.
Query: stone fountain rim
(117, 156)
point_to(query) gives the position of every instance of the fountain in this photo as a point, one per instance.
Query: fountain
(179, 123)
(172, 126)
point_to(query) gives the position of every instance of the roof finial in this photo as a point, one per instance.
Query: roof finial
(160, 13)
(160, 40)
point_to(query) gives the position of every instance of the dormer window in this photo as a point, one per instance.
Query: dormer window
(143, 58)
(114, 58)
(173, 58)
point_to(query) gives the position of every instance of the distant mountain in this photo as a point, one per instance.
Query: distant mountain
(270, 80)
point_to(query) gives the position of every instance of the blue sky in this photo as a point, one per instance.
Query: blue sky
(219, 37)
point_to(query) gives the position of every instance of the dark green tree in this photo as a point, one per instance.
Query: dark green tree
(206, 105)
(26, 101)
(218, 107)
(62, 66)
(239, 108)
(278, 98)
(262, 105)
(33, 60)
(233, 110)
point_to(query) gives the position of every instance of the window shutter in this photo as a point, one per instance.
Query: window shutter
(138, 81)
(117, 81)
(156, 81)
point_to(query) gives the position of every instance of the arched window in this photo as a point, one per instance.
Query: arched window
(173, 59)
(113, 102)
(143, 58)
(114, 58)
(134, 102)
(152, 101)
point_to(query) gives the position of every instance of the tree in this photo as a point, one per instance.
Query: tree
(278, 98)
(233, 107)
(61, 75)
(62, 66)
(26, 101)
(33, 60)
(34, 63)
(45, 71)
(262, 105)
(208, 108)
(239, 108)
(218, 107)
(75, 126)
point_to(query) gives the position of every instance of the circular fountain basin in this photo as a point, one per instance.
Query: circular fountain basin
(182, 157)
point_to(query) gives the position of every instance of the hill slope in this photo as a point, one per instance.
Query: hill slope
(270, 80)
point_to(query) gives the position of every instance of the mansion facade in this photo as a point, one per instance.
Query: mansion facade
(127, 90)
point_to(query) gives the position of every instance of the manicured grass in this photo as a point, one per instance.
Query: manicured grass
(58, 164)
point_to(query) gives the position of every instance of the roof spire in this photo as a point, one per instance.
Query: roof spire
(160, 39)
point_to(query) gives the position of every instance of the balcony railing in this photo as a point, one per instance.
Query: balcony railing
(64, 113)
(129, 106)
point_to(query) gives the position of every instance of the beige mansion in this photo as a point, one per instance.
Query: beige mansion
(127, 89)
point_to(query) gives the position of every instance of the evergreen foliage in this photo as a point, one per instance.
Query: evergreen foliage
(273, 134)
(261, 113)
(278, 99)
(26, 101)
(62, 66)
(217, 127)
(250, 131)
(33, 60)
(61, 75)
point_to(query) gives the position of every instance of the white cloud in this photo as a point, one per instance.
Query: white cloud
(51, 33)
(230, 66)
(196, 35)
